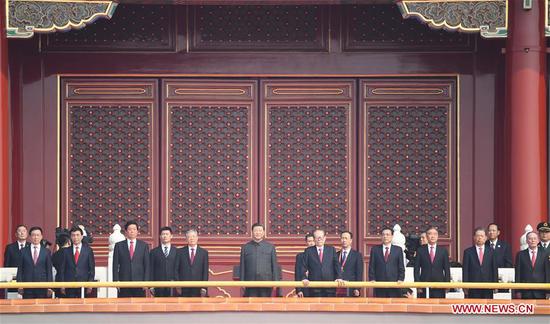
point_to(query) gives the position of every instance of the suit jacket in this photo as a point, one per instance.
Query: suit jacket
(27, 271)
(12, 254)
(425, 270)
(380, 270)
(525, 272)
(328, 270)
(198, 271)
(472, 271)
(298, 270)
(164, 268)
(503, 254)
(135, 269)
(352, 270)
(83, 270)
(258, 262)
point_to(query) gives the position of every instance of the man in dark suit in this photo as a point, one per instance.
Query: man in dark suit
(35, 266)
(386, 264)
(193, 265)
(432, 264)
(478, 265)
(351, 265)
(532, 266)
(78, 264)
(503, 250)
(544, 235)
(131, 261)
(299, 266)
(321, 264)
(258, 262)
(12, 254)
(164, 262)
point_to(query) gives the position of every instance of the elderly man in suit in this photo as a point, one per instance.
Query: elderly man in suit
(351, 265)
(478, 265)
(131, 261)
(432, 264)
(321, 264)
(35, 266)
(164, 262)
(503, 250)
(299, 266)
(12, 254)
(258, 262)
(193, 265)
(386, 264)
(78, 263)
(532, 266)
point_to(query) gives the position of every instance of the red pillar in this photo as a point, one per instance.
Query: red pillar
(4, 135)
(526, 117)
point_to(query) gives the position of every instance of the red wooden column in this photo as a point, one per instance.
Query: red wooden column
(4, 134)
(526, 117)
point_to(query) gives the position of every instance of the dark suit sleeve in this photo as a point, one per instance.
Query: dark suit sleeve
(205, 267)
(401, 265)
(146, 263)
(91, 260)
(359, 266)
(49, 274)
(116, 262)
(465, 266)
(371, 265)
(179, 267)
(508, 257)
(417, 265)
(20, 267)
(446, 265)
(274, 265)
(336, 265)
(305, 265)
(61, 270)
(518, 267)
(298, 270)
(495, 268)
(242, 264)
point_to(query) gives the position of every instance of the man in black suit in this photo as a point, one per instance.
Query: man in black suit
(12, 254)
(78, 264)
(193, 265)
(432, 264)
(544, 235)
(386, 264)
(478, 265)
(503, 250)
(351, 265)
(35, 266)
(164, 262)
(299, 265)
(258, 262)
(532, 266)
(131, 261)
(321, 264)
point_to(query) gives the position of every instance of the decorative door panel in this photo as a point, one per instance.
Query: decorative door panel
(209, 168)
(109, 150)
(308, 160)
(408, 158)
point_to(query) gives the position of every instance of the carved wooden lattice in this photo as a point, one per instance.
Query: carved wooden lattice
(109, 168)
(407, 167)
(209, 171)
(308, 169)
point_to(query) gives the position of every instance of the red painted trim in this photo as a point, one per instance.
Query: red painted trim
(4, 135)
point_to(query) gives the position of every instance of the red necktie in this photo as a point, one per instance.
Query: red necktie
(321, 255)
(131, 250)
(192, 256)
(533, 258)
(432, 254)
(480, 256)
(387, 254)
(76, 254)
(35, 255)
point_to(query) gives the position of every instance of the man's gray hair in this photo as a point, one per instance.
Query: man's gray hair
(190, 231)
